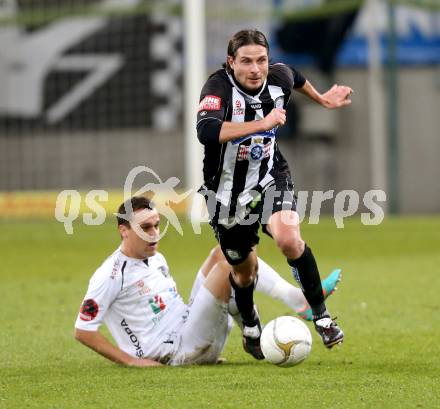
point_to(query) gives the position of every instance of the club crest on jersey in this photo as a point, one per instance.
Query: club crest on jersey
(89, 310)
(256, 152)
(210, 103)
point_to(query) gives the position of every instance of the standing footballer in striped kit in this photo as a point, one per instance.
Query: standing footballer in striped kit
(248, 181)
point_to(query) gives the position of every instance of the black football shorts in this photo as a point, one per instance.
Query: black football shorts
(239, 236)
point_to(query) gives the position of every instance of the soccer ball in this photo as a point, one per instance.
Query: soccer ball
(286, 341)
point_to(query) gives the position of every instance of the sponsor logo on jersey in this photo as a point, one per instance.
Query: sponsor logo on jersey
(142, 289)
(133, 338)
(156, 303)
(238, 111)
(89, 310)
(256, 106)
(210, 103)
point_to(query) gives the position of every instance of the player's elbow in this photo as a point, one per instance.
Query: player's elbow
(208, 131)
(77, 335)
(81, 336)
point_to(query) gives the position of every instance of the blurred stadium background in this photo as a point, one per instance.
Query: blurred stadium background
(92, 88)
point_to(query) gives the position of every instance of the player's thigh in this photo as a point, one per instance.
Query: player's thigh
(204, 333)
(238, 241)
(278, 207)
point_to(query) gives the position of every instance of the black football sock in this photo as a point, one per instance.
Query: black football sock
(305, 271)
(244, 298)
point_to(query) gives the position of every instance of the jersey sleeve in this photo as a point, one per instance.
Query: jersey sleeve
(212, 109)
(298, 79)
(102, 291)
(287, 77)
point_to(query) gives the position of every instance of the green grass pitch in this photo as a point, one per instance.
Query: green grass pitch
(387, 304)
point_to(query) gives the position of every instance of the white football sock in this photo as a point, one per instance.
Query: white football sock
(271, 283)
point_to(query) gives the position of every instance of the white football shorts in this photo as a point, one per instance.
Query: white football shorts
(204, 333)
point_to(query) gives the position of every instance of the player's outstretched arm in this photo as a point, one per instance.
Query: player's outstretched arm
(234, 130)
(96, 341)
(336, 97)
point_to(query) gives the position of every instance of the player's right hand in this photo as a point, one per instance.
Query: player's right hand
(275, 118)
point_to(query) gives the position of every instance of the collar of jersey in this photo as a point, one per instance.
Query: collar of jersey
(241, 89)
(132, 259)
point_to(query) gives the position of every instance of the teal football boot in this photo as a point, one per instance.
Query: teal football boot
(328, 288)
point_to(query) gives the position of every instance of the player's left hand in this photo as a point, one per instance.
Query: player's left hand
(337, 96)
(142, 362)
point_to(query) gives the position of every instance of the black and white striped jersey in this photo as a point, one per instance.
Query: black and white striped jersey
(235, 169)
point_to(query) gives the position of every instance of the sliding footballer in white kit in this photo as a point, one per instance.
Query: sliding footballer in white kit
(139, 303)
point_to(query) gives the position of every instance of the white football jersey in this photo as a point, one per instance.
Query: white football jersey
(139, 303)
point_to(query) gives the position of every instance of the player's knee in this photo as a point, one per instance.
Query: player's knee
(245, 274)
(292, 247)
(243, 280)
(223, 267)
(216, 254)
